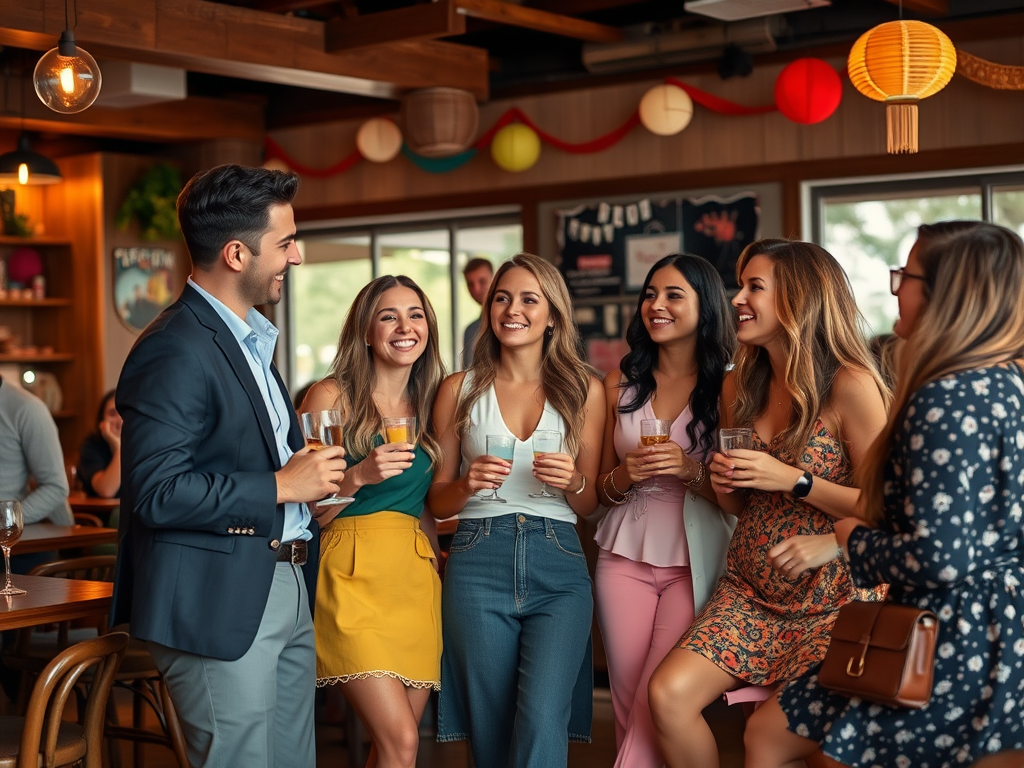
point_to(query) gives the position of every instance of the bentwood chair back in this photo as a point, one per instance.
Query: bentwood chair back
(43, 737)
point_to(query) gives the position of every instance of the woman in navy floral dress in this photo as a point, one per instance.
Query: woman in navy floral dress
(942, 501)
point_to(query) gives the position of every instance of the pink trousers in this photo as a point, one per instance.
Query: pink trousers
(643, 610)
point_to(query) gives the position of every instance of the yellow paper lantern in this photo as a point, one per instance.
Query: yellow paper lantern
(379, 140)
(900, 63)
(666, 109)
(515, 147)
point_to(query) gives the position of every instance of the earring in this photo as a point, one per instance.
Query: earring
(551, 331)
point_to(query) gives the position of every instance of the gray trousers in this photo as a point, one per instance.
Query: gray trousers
(256, 711)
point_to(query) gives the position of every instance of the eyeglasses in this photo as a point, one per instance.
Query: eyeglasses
(897, 276)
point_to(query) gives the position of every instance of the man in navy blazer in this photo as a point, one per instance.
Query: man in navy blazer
(218, 548)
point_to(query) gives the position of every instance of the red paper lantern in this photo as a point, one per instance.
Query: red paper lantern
(808, 91)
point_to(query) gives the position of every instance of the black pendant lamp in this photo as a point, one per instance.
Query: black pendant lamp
(25, 167)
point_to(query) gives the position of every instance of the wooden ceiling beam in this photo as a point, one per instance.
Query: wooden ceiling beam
(427, 21)
(219, 39)
(194, 119)
(445, 18)
(930, 7)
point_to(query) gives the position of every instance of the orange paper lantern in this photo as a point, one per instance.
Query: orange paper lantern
(900, 63)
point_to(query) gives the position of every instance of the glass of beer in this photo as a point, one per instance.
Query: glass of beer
(321, 429)
(655, 431)
(735, 437)
(501, 447)
(11, 526)
(545, 441)
(400, 429)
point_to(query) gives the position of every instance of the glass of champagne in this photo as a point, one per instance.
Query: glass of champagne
(655, 431)
(11, 526)
(501, 447)
(545, 441)
(321, 429)
(400, 429)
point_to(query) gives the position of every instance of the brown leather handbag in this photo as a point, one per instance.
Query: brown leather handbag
(883, 653)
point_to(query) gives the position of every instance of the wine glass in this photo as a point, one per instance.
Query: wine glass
(11, 526)
(501, 447)
(545, 441)
(321, 429)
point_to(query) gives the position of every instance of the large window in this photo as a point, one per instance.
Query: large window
(869, 227)
(338, 263)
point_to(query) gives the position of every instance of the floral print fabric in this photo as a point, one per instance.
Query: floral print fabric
(949, 541)
(760, 626)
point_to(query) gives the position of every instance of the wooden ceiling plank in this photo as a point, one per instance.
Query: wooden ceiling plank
(542, 21)
(579, 7)
(931, 7)
(218, 39)
(418, 22)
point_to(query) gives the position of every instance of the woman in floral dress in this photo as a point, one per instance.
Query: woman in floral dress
(805, 382)
(942, 521)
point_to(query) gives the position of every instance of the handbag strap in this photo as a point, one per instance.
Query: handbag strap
(855, 666)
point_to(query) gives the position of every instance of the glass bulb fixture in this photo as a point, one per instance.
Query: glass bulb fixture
(67, 79)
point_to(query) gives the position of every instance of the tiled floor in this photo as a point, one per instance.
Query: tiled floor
(332, 752)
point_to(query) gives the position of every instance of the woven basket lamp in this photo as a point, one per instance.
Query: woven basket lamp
(439, 122)
(900, 63)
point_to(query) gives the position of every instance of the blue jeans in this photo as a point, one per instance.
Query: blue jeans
(516, 673)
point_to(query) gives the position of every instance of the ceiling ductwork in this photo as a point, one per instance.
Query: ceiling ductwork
(737, 10)
(642, 49)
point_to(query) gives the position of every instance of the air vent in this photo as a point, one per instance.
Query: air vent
(736, 10)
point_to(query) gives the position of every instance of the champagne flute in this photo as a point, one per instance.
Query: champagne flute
(321, 429)
(501, 447)
(11, 526)
(545, 441)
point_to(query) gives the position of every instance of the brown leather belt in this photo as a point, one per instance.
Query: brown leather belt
(293, 552)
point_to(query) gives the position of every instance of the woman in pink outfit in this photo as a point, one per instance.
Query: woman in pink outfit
(662, 544)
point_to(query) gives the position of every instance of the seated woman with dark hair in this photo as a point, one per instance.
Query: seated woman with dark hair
(99, 460)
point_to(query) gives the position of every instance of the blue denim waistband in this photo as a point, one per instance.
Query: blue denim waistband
(515, 523)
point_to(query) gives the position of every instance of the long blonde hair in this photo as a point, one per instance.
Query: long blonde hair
(821, 335)
(356, 378)
(974, 283)
(564, 375)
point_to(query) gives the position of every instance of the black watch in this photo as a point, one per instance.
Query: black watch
(803, 486)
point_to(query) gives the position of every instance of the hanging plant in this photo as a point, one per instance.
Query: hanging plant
(151, 202)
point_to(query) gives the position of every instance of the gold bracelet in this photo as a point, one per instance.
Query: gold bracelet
(623, 494)
(608, 493)
(697, 480)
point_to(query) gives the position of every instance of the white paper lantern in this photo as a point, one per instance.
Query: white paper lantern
(379, 140)
(665, 110)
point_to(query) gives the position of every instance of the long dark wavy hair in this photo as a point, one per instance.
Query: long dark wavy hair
(716, 342)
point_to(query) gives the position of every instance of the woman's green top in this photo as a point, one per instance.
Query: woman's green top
(403, 493)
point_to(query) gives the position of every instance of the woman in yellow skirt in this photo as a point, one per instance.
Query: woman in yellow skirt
(378, 601)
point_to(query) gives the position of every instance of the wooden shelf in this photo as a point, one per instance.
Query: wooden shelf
(37, 358)
(31, 241)
(35, 302)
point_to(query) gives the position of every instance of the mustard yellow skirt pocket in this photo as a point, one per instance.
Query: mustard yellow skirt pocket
(378, 602)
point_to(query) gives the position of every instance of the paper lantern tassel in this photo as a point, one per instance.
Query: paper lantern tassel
(901, 127)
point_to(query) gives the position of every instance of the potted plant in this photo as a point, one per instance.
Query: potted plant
(150, 202)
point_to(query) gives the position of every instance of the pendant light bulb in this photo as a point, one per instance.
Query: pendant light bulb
(67, 78)
(23, 173)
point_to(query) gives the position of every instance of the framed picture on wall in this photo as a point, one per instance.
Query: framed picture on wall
(144, 284)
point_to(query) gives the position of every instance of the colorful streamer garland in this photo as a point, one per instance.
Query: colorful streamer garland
(973, 68)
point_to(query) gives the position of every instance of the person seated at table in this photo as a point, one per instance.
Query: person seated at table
(99, 461)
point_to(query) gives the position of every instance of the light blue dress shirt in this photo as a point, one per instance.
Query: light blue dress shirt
(257, 338)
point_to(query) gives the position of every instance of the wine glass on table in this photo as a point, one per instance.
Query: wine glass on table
(501, 447)
(11, 526)
(322, 429)
(545, 441)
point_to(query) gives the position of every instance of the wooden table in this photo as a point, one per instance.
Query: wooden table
(46, 537)
(93, 505)
(51, 599)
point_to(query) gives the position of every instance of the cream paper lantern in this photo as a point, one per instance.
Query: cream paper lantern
(276, 164)
(665, 110)
(379, 140)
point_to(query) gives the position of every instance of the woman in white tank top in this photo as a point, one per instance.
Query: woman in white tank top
(516, 676)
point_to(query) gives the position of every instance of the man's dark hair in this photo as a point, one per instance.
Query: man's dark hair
(478, 263)
(230, 202)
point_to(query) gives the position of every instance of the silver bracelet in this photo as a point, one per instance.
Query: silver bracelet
(583, 485)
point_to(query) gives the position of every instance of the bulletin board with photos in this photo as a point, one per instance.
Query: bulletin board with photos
(605, 250)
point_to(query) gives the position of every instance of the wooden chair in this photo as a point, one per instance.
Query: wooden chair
(88, 519)
(43, 737)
